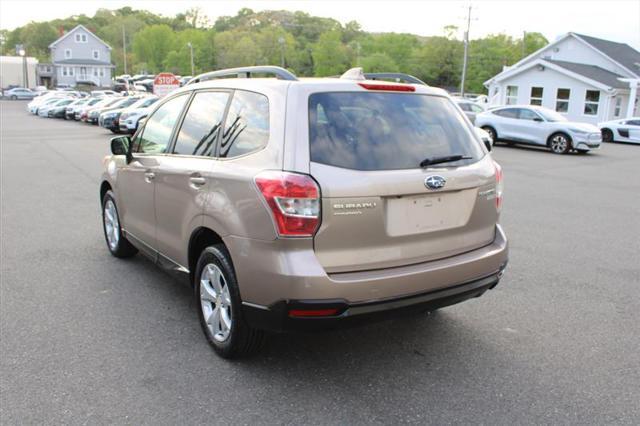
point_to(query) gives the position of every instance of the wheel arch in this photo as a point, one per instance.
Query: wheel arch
(104, 187)
(201, 238)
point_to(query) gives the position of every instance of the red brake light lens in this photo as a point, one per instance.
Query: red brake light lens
(294, 200)
(499, 186)
(388, 87)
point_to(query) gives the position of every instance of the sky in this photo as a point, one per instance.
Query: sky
(616, 20)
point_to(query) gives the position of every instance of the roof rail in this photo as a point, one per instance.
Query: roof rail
(245, 72)
(397, 76)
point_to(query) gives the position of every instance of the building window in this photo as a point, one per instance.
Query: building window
(95, 72)
(96, 54)
(536, 95)
(591, 101)
(101, 72)
(64, 71)
(562, 100)
(67, 53)
(71, 70)
(77, 38)
(616, 111)
(512, 95)
(81, 38)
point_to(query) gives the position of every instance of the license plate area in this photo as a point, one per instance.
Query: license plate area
(417, 214)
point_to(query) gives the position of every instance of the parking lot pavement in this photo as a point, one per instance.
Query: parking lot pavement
(87, 338)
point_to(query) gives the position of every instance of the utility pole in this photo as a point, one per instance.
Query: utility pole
(466, 52)
(524, 44)
(358, 53)
(124, 49)
(190, 45)
(25, 73)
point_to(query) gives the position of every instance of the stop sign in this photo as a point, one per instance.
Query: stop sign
(164, 83)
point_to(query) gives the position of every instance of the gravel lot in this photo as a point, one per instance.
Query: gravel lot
(87, 338)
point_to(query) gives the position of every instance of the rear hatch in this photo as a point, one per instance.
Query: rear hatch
(380, 208)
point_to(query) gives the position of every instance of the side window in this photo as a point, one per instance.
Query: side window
(507, 113)
(201, 124)
(157, 131)
(527, 114)
(464, 106)
(247, 125)
(476, 108)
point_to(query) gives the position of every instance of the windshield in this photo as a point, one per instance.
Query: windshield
(550, 115)
(386, 131)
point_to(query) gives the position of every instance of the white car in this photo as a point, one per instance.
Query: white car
(43, 111)
(624, 130)
(129, 124)
(536, 125)
(470, 109)
(35, 105)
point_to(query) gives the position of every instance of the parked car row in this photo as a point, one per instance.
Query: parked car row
(103, 108)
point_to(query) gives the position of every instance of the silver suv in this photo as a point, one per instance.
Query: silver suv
(303, 204)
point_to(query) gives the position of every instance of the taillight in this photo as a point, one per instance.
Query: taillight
(499, 186)
(388, 87)
(294, 200)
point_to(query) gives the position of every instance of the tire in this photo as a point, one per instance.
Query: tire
(559, 143)
(215, 287)
(14, 98)
(607, 135)
(583, 151)
(491, 131)
(117, 243)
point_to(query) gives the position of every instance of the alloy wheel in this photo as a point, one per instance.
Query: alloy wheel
(111, 224)
(215, 302)
(559, 144)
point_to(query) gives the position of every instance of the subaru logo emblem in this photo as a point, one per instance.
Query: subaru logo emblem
(435, 182)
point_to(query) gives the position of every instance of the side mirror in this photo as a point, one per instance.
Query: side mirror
(538, 119)
(488, 144)
(120, 145)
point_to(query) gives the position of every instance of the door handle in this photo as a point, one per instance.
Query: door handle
(196, 182)
(149, 176)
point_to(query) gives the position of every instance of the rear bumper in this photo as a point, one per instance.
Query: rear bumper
(275, 275)
(277, 317)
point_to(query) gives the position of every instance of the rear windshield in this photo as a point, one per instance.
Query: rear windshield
(386, 131)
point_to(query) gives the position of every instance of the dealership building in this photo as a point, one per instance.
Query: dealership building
(12, 71)
(585, 78)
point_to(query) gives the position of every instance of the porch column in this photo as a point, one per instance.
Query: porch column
(633, 84)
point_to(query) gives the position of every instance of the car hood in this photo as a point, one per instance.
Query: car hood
(584, 127)
(110, 110)
(137, 111)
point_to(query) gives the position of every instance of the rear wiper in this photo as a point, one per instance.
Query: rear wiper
(445, 159)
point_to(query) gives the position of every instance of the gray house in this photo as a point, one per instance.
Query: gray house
(80, 57)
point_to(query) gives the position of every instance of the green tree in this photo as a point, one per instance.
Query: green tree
(379, 62)
(330, 55)
(152, 44)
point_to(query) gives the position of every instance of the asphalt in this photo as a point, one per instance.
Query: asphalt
(87, 338)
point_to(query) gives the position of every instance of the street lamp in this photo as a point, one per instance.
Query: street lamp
(190, 45)
(25, 76)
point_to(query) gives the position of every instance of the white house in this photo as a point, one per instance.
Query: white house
(80, 56)
(586, 78)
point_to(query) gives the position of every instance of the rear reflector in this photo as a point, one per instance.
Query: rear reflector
(294, 200)
(388, 87)
(313, 312)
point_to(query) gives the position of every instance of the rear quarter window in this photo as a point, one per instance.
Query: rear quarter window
(246, 127)
(386, 131)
